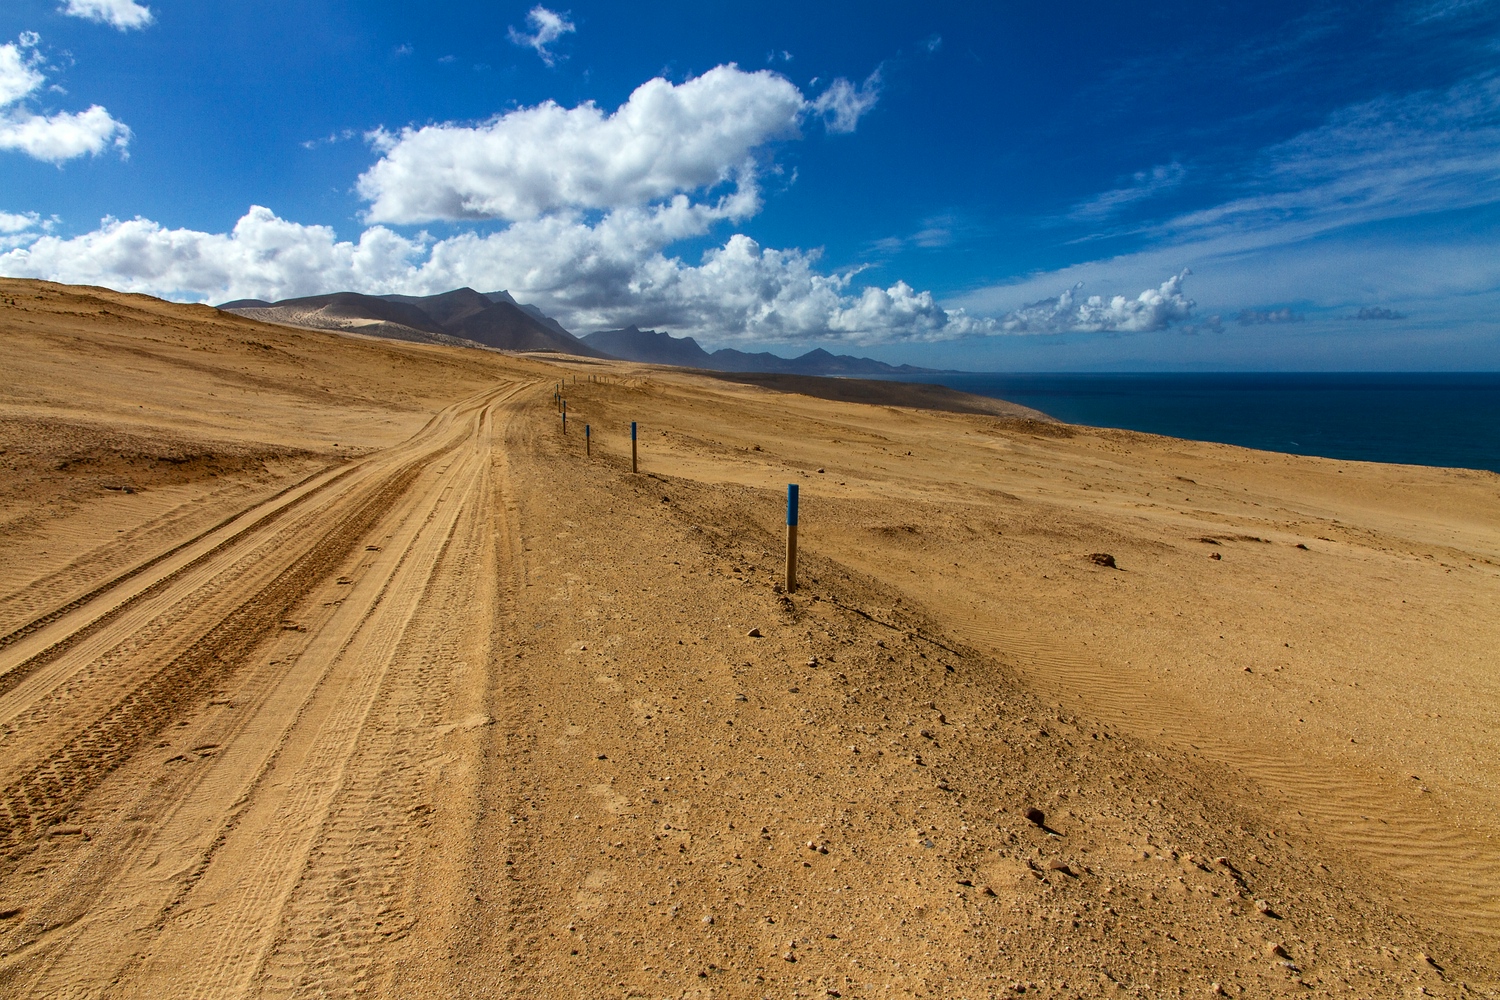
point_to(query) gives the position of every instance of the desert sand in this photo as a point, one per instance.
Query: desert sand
(331, 666)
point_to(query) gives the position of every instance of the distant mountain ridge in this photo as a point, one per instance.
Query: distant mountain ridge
(461, 317)
(659, 348)
(466, 318)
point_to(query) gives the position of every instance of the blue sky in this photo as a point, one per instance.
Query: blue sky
(1044, 187)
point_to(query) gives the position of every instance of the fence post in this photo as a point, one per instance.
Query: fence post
(632, 446)
(791, 537)
(588, 442)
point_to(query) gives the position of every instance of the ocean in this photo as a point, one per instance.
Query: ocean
(1440, 419)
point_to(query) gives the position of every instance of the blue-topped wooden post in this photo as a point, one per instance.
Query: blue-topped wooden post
(632, 446)
(565, 416)
(588, 442)
(791, 537)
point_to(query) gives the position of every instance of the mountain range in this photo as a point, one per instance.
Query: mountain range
(460, 317)
(654, 347)
(464, 317)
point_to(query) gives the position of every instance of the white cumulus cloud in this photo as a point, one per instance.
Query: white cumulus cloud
(11, 222)
(593, 203)
(665, 140)
(1153, 309)
(51, 138)
(20, 75)
(546, 27)
(264, 256)
(589, 276)
(122, 14)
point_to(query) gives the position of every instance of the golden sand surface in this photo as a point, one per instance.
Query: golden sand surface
(332, 666)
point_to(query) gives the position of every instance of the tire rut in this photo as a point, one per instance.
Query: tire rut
(45, 792)
(42, 621)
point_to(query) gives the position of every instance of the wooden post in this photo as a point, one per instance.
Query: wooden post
(565, 416)
(632, 446)
(791, 537)
(588, 442)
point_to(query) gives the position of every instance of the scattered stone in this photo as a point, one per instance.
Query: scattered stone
(1304, 548)
(820, 472)
(66, 830)
(1275, 949)
(812, 661)
(740, 697)
(753, 633)
(1103, 559)
(1215, 555)
(708, 919)
(1036, 816)
(1058, 865)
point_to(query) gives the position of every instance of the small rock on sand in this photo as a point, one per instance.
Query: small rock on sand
(1103, 559)
(753, 633)
(1035, 815)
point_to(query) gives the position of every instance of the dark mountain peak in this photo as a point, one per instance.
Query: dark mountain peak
(636, 344)
(494, 320)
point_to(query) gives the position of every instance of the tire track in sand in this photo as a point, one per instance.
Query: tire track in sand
(44, 792)
(217, 834)
(216, 937)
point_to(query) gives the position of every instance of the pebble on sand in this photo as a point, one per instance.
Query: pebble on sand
(753, 633)
(1103, 559)
(1035, 815)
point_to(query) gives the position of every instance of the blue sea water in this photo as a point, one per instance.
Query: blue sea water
(1443, 419)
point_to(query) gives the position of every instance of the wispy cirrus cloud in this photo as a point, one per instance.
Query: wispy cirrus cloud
(843, 104)
(1296, 221)
(1144, 185)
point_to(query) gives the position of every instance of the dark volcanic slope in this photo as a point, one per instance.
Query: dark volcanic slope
(653, 347)
(493, 320)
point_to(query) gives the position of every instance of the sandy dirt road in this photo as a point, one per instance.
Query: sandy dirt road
(431, 703)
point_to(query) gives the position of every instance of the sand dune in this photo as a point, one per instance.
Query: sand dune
(332, 667)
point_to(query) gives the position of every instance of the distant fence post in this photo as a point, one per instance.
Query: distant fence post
(632, 446)
(791, 537)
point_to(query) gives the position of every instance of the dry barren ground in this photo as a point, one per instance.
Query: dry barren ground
(332, 667)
